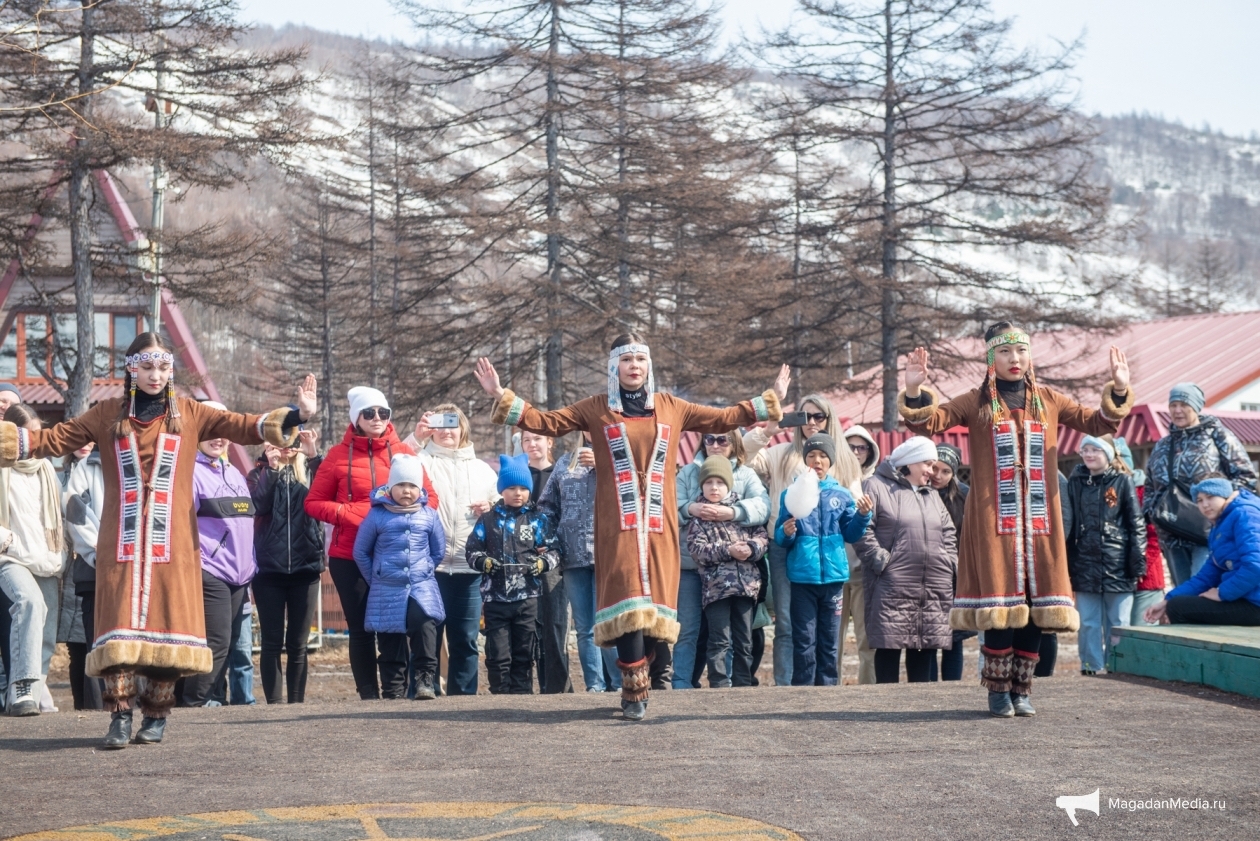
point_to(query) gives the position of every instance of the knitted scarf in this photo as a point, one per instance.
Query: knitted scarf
(49, 494)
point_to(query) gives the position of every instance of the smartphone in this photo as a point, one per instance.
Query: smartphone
(791, 419)
(446, 420)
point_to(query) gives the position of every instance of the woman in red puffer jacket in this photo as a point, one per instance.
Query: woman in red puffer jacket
(341, 494)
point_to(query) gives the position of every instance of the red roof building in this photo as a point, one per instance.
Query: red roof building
(29, 296)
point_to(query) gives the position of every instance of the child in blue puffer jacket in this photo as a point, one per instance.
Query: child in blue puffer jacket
(1226, 589)
(398, 547)
(818, 566)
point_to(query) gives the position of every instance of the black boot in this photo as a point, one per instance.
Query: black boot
(424, 688)
(150, 732)
(119, 731)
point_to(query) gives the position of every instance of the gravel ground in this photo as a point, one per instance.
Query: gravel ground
(907, 761)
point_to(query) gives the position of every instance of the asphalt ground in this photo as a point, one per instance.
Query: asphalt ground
(904, 761)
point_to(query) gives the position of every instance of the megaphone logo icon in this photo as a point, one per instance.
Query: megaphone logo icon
(1071, 802)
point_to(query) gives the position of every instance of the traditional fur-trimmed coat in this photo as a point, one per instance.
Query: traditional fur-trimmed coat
(149, 610)
(1012, 557)
(636, 510)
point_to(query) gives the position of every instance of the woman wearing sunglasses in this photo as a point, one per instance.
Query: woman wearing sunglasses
(753, 509)
(778, 467)
(341, 495)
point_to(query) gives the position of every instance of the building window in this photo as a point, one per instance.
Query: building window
(29, 349)
(9, 354)
(1250, 407)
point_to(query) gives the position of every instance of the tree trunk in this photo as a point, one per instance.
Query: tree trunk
(325, 277)
(555, 341)
(79, 386)
(888, 235)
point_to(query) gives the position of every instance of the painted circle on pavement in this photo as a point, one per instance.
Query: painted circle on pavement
(433, 822)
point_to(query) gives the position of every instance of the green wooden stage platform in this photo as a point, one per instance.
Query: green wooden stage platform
(1223, 656)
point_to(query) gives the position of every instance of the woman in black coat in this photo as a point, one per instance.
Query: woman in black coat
(1106, 547)
(289, 545)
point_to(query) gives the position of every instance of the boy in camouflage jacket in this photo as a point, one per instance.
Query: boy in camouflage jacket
(726, 555)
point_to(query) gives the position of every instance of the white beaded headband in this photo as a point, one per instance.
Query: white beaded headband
(614, 380)
(158, 356)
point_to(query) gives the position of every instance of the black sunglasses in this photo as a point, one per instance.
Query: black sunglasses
(817, 417)
(720, 440)
(860, 448)
(375, 412)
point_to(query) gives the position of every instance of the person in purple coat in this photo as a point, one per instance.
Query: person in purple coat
(398, 549)
(225, 524)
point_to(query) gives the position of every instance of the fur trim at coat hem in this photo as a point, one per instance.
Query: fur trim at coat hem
(988, 618)
(921, 414)
(646, 619)
(1056, 618)
(272, 429)
(139, 655)
(1116, 411)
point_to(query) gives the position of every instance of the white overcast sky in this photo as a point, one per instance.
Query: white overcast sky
(1192, 60)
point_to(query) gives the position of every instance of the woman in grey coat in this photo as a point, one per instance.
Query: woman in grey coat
(908, 559)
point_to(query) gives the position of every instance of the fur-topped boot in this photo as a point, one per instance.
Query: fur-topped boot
(1022, 669)
(635, 683)
(996, 677)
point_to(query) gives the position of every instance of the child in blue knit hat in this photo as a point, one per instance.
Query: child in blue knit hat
(512, 545)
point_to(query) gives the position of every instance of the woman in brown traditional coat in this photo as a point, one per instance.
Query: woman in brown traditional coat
(1012, 561)
(149, 620)
(635, 433)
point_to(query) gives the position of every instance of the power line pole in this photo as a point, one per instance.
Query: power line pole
(160, 108)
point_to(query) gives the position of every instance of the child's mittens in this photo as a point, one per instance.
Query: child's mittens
(540, 566)
(487, 565)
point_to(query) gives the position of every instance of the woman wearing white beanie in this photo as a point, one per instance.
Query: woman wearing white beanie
(908, 558)
(341, 494)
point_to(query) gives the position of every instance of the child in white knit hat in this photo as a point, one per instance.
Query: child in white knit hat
(397, 549)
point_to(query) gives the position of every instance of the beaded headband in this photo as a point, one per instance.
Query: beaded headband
(614, 381)
(159, 356)
(1011, 337)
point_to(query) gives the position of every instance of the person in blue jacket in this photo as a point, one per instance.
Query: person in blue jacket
(1226, 589)
(398, 547)
(818, 566)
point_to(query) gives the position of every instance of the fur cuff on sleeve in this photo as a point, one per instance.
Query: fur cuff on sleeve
(922, 414)
(8, 444)
(272, 429)
(766, 406)
(508, 409)
(1113, 411)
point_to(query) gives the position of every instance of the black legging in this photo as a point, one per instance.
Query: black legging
(1196, 610)
(352, 589)
(1027, 638)
(222, 603)
(275, 595)
(918, 664)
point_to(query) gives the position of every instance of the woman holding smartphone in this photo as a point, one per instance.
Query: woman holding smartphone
(466, 486)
